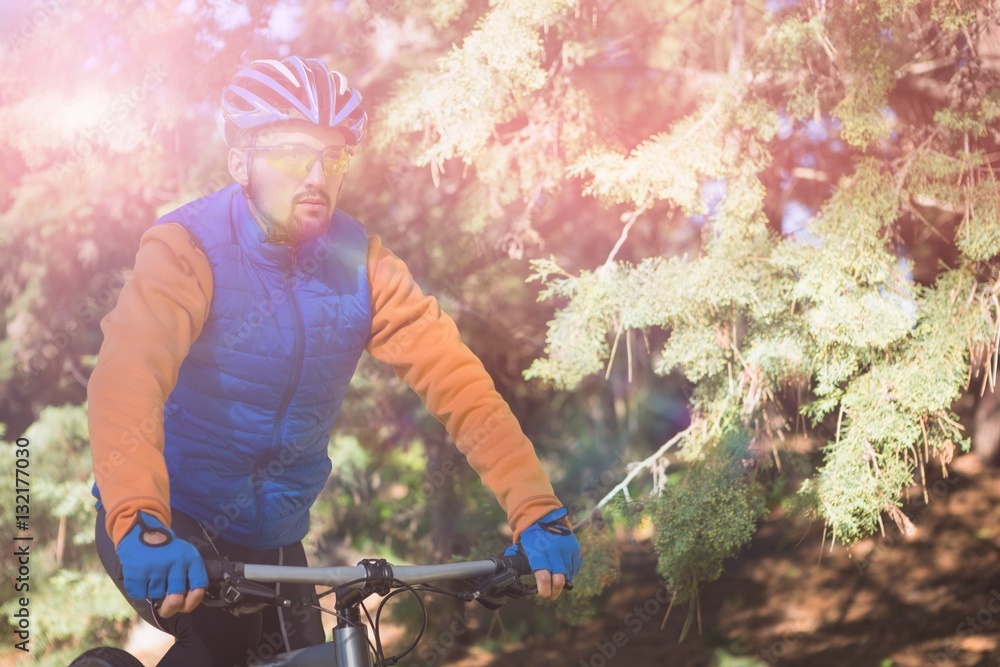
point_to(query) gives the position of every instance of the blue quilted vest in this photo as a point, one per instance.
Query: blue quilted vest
(248, 424)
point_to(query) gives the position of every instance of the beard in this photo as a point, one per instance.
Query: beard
(295, 228)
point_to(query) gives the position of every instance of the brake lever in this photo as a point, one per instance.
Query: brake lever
(230, 590)
(519, 563)
(241, 597)
(493, 591)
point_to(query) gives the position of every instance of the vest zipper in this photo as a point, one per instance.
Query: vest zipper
(298, 352)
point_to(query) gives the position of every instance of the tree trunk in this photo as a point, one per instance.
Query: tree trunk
(986, 429)
(441, 501)
(443, 507)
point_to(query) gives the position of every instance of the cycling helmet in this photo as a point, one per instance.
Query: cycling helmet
(271, 91)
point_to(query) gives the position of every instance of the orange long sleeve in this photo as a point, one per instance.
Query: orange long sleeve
(160, 312)
(410, 332)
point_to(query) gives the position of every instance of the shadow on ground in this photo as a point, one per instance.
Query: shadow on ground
(928, 601)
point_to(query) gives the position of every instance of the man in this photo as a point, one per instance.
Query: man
(226, 360)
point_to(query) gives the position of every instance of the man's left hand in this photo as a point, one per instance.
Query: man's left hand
(553, 553)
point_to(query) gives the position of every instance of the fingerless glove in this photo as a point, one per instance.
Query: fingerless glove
(151, 569)
(550, 545)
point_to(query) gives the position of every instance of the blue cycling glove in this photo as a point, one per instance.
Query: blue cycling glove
(154, 570)
(550, 545)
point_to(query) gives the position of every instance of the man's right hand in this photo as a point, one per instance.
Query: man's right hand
(157, 564)
(553, 552)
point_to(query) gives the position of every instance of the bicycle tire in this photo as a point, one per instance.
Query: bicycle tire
(106, 656)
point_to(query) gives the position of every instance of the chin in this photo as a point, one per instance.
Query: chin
(303, 230)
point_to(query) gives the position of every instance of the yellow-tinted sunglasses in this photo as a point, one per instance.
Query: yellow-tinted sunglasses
(296, 160)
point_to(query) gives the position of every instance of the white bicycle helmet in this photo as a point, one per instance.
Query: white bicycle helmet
(271, 91)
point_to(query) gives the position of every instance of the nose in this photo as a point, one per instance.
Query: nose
(316, 176)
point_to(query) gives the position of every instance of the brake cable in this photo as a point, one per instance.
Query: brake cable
(491, 591)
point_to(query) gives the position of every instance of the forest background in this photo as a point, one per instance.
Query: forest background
(724, 258)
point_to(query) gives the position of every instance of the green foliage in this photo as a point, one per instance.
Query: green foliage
(471, 92)
(441, 14)
(725, 659)
(932, 176)
(706, 516)
(78, 607)
(862, 109)
(833, 308)
(601, 569)
(792, 38)
(576, 342)
(954, 16)
(979, 238)
(667, 167)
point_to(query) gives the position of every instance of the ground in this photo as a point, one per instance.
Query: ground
(932, 599)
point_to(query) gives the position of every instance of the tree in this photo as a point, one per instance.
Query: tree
(838, 158)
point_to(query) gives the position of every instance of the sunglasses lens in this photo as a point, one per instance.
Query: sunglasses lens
(335, 161)
(290, 161)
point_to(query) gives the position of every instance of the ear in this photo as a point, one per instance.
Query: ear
(238, 166)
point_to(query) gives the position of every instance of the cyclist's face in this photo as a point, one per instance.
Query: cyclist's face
(291, 189)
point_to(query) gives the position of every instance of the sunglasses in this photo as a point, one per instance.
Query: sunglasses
(297, 160)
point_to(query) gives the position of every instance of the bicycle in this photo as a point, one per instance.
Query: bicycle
(236, 585)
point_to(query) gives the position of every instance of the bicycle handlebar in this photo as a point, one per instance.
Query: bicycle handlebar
(241, 589)
(358, 575)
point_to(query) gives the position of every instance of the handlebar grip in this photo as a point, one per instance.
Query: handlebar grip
(214, 569)
(518, 561)
(218, 569)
